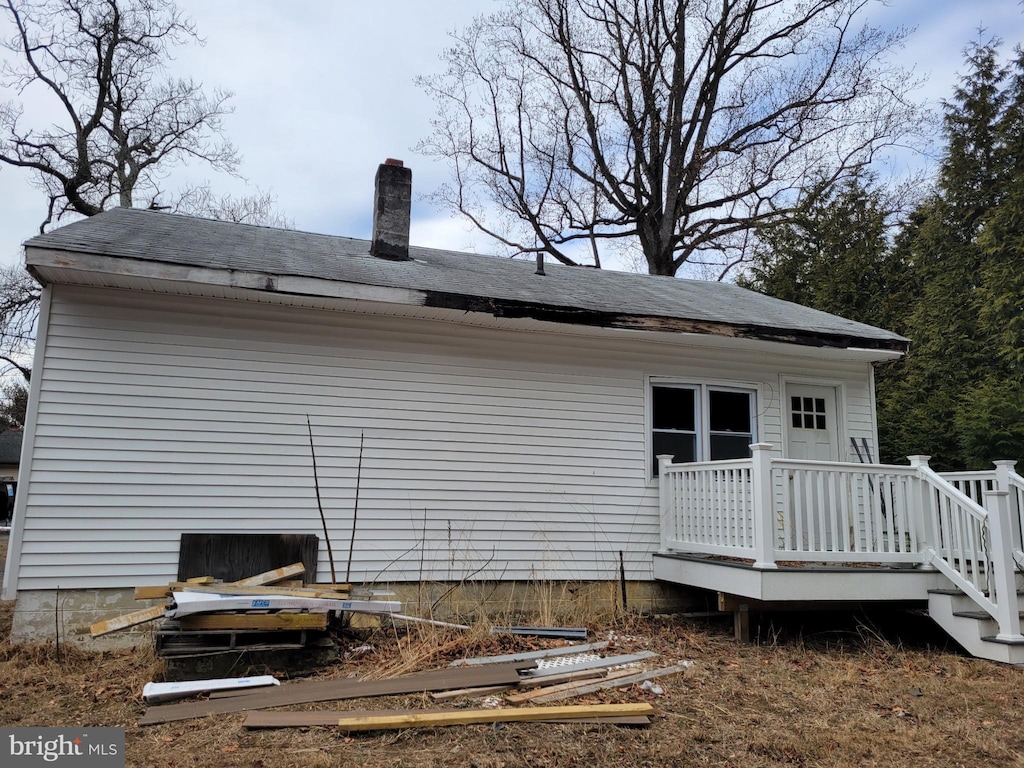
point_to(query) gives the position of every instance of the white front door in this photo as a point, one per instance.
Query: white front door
(812, 422)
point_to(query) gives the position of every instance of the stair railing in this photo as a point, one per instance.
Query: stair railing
(973, 545)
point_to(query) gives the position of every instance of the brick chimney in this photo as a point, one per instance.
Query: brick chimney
(392, 205)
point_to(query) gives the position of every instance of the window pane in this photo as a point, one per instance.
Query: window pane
(820, 421)
(673, 409)
(682, 447)
(809, 404)
(795, 402)
(796, 420)
(730, 447)
(808, 421)
(730, 411)
(819, 405)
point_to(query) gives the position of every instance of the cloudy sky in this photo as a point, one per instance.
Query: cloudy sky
(324, 92)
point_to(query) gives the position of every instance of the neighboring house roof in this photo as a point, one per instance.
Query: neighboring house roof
(10, 446)
(448, 279)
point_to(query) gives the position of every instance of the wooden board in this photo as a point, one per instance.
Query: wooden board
(152, 593)
(234, 556)
(487, 690)
(267, 621)
(309, 691)
(331, 717)
(392, 720)
(571, 687)
(270, 577)
(621, 682)
(127, 620)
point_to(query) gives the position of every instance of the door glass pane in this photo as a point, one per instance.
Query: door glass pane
(674, 408)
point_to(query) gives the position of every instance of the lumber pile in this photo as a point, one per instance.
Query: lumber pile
(265, 602)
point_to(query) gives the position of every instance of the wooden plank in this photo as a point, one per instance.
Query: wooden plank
(486, 690)
(201, 580)
(233, 556)
(269, 621)
(566, 677)
(571, 686)
(127, 620)
(618, 683)
(152, 593)
(264, 719)
(309, 691)
(271, 577)
(391, 721)
(233, 589)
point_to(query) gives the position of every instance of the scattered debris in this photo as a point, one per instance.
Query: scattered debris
(309, 691)
(547, 667)
(620, 682)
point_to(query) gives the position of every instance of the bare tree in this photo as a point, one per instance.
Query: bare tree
(122, 122)
(572, 125)
(258, 208)
(19, 312)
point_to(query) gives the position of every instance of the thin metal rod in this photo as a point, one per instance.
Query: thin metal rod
(320, 506)
(355, 510)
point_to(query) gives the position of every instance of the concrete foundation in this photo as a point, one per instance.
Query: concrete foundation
(48, 616)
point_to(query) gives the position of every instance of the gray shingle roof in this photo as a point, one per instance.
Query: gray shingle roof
(451, 277)
(10, 446)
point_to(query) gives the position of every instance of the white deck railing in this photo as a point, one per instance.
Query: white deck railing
(772, 510)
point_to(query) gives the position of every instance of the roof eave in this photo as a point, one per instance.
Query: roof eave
(59, 266)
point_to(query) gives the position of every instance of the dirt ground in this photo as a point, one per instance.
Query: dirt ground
(830, 691)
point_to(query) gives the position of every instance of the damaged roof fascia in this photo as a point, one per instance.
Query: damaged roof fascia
(69, 267)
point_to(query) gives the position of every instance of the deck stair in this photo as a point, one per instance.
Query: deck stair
(975, 630)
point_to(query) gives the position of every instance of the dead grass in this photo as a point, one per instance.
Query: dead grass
(816, 697)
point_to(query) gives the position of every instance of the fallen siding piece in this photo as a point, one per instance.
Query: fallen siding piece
(564, 651)
(618, 683)
(269, 621)
(561, 633)
(127, 620)
(607, 661)
(459, 692)
(565, 677)
(390, 721)
(431, 622)
(234, 589)
(309, 691)
(571, 686)
(186, 603)
(156, 693)
(270, 577)
(264, 719)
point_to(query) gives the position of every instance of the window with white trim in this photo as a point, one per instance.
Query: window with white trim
(701, 422)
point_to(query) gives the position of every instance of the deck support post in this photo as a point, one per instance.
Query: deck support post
(1004, 573)
(1003, 469)
(764, 516)
(922, 508)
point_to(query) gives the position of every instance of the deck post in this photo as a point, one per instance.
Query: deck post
(1003, 469)
(764, 517)
(1007, 610)
(668, 507)
(926, 520)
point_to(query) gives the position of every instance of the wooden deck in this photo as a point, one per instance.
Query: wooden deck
(784, 531)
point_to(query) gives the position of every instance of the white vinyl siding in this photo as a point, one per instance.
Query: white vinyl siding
(488, 454)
